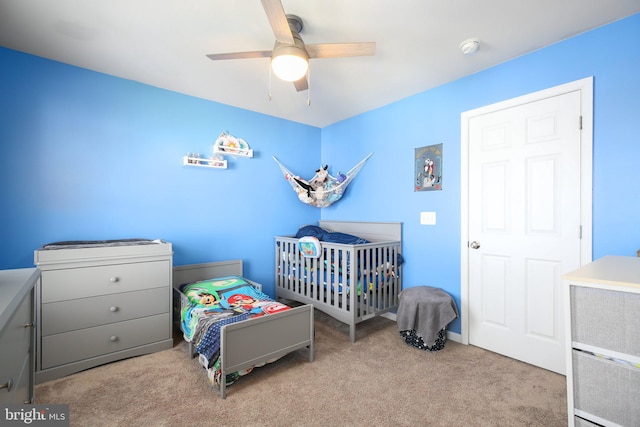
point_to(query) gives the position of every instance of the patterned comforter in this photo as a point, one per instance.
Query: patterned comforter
(213, 303)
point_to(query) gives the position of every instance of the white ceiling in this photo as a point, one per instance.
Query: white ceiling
(163, 43)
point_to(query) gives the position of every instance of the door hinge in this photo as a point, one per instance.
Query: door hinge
(580, 232)
(580, 123)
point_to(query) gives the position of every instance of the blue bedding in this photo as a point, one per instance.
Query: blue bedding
(329, 236)
(217, 302)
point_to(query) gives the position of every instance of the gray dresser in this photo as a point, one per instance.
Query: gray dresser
(603, 344)
(98, 304)
(17, 336)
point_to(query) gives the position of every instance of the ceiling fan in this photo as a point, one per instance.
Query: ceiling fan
(290, 55)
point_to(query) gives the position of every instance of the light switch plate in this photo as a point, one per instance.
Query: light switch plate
(428, 218)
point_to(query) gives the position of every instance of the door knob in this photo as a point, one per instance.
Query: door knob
(474, 245)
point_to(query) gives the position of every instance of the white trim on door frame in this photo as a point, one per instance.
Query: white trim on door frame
(585, 86)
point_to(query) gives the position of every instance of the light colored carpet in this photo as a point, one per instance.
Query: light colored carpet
(378, 381)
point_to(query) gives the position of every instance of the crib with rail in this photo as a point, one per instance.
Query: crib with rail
(351, 282)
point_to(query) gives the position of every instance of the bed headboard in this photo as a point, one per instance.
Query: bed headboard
(195, 272)
(372, 231)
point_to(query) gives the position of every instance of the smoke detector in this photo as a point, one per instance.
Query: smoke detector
(469, 46)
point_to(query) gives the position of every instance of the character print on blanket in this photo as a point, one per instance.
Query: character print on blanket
(217, 302)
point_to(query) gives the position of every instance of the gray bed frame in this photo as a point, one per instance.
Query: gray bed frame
(254, 341)
(292, 283)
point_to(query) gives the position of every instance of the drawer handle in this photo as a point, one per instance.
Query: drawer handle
(113, 309)
(7, 385)
(114, 279)
(113, 338)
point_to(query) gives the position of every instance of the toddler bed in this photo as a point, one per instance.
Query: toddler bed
(231, 325)
(349, 270)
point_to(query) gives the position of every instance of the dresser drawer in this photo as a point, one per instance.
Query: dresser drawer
(15, 341)
(68, 347)
(606, 389)
(66, 316)
(19, 392)
(580, 422)
(66, 284)
(606, 319)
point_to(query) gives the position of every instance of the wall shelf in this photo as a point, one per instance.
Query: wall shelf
(230, 151)
(204, 163)
(227, 144)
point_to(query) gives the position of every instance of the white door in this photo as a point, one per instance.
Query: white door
(524, 225)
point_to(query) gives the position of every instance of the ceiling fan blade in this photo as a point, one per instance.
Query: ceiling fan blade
(301, 84)
(336, 50)
(240, 55)
(278, 21)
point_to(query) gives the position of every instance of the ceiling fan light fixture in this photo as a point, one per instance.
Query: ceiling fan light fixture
(290, 63)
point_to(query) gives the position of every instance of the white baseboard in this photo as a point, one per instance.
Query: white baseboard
(454, 336)
(389, 315)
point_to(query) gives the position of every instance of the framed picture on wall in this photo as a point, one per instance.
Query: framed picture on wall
(428, 164)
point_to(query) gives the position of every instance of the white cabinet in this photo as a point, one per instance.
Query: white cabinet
(98, 304)
(603, 345)
(17, 337)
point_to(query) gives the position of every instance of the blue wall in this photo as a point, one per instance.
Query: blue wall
(90, 156)
(384, 189)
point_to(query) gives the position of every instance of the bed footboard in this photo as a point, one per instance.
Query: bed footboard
(261, 340)
(253, 341)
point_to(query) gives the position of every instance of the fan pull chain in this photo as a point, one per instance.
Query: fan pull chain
(270, 72)
(309, 88)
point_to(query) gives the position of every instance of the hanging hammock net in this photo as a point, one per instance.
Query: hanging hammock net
(321, 191)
